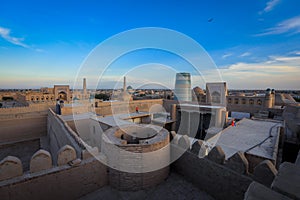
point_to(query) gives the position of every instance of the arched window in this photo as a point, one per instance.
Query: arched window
(251, 101)
(229, 100)
(236, 101)
(243, 101)
(37, 98)
(47, 98)
(216, 97)
(32, 98)
(259, 102)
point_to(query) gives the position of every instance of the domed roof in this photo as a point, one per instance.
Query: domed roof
(197, 90)
(129, 88)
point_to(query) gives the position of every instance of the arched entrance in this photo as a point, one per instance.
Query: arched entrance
(216, 97)
(62, 95)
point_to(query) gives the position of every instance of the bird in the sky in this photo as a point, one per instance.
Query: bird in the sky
(210, 19)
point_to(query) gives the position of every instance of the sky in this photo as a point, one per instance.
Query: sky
(254, 44)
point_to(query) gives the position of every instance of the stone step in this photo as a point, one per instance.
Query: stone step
(287, 181)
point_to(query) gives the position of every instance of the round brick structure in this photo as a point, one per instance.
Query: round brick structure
(138, 155)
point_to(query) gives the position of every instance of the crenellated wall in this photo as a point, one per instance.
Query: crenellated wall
(72, 178)
(291, 115)
(223, 179)
(60, 134)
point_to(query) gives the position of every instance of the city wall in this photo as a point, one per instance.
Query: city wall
(23, 129)
(23, 123)
(223, 179)
(291, 115)
(71, 179)
(33, 110)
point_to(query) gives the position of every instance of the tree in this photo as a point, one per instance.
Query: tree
(104, 97)
(7, 98)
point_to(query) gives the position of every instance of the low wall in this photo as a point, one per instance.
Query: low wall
(64, 182)
(108, 108)
(23, 150)
(215, 179)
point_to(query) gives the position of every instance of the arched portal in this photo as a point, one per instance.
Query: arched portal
(62, 95)
(216, 97)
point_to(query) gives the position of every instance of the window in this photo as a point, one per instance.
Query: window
(216, 97)
(251, 101)
(243, 101)
(259, 102)
(229, 100)
(236, 101)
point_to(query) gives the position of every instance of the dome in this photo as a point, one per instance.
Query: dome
(129, 88)
(198, 91)
(273, 91)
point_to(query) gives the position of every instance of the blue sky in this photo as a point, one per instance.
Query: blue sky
(254, 43)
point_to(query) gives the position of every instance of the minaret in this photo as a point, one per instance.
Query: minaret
(124, 84)
(84, 87)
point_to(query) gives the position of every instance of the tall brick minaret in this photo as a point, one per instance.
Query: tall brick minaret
(84, 87)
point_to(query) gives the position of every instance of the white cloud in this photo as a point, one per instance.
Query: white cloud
(297, 53)
(269, 6)
(291, 25)
(280, 72)
(245, 54)
(226, 55)
(5, 33)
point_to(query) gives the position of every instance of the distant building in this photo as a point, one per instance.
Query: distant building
(61, 92)
(216, 93)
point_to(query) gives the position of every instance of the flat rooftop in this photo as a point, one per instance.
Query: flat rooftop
(255, 137)
(80, 116)
(200, 106)
(121, 119)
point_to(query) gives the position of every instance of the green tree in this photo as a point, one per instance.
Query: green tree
(7, 98)
(104, 97)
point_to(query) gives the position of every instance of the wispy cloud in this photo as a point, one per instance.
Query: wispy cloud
(5, 33)
(269, 6)
(291, 25)
(226, 55)
(281, 72)
(245, 54)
